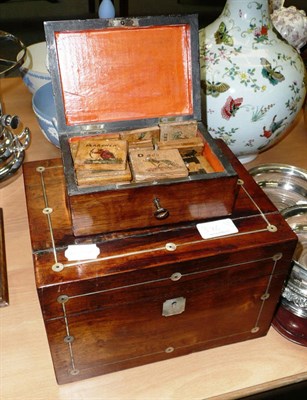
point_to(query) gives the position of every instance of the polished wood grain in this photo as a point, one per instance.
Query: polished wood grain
(132, 206)
(113, 306)
(226, 372)
(124, 209)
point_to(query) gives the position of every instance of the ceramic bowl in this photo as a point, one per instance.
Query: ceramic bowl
(44, 108)
(34, 71)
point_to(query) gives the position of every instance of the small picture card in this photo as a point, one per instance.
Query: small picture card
(101, 154)
(150, 165)
(135, 136)
(75, 140)
(213, 229)
(178, 130)
(100, 178)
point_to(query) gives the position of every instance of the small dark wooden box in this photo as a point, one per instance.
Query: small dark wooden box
(154, 293)
(126, 74)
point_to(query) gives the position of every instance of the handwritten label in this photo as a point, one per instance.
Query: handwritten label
(212, 229)
(77, 252)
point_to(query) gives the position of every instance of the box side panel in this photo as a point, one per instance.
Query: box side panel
(149, 250)
(128, 327)
(155, 271)
(128, 209)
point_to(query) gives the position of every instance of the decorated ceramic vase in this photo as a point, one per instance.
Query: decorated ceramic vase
(252, 81)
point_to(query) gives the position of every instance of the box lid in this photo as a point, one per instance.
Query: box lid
(110, 74)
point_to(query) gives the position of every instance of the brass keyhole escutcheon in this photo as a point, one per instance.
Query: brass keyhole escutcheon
(160, 213)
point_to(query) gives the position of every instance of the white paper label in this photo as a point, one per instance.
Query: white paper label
(212, 229)
(76, 252)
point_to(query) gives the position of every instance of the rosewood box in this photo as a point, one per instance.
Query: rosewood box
(114, 76)
(119, 300)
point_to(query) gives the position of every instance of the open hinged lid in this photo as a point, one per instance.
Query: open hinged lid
(112, 74)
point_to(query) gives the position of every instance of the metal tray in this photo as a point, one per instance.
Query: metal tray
(284, 184)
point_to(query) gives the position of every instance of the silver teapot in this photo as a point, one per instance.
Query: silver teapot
(12, 145)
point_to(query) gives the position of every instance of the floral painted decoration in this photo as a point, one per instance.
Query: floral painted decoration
(253, 81)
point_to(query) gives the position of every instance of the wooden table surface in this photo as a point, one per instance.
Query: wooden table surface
(227, 372)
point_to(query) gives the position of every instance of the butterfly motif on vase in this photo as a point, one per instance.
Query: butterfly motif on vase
(231, 107)
(214, 89)
(271, 73)
(222, 35)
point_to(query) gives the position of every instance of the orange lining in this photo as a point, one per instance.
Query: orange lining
(125, 73)
(212, 159)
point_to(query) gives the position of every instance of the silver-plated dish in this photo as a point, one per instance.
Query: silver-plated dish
(284, 184)
(296, 217)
